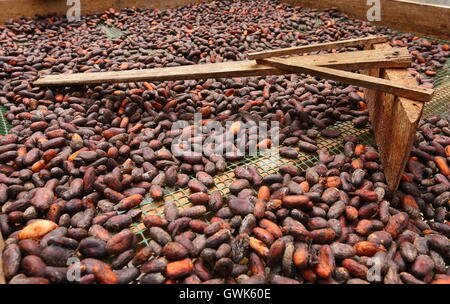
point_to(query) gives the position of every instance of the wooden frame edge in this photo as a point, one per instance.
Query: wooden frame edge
(421, 18)
(394, 122)
(15, 9)
(2, 246)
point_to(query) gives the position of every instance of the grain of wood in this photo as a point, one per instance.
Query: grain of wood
(394, 121)
(2, 274)
(318, 47)
(420, 18)
(393, 87)
(425, 19)
(15, 9)
(345, 61)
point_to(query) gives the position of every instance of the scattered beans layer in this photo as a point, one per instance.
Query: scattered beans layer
(79, 161)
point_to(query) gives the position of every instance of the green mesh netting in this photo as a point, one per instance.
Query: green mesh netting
(269, 161)
(440, 105)
(111, 31)
(5, 126)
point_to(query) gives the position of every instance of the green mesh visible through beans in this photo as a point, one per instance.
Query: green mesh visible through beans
(110, 31)
(440, 105)
(269, 161)
(5, 126)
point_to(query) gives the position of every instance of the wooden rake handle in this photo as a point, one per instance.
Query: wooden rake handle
(384, 85)
(318, 47)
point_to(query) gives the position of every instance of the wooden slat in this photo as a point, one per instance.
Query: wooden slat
(408, 16)
(318, 47)
(394, 121)
(15, 9)
(414, 92)
(345, 61)
(421, 18)
(2, 274)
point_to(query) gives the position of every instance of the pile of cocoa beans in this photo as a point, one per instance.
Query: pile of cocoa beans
(79, 161)
(325, 225)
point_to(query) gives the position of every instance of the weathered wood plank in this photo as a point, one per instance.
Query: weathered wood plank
(421, 18)
(414, 92)
(318, 47)
(394, 121)
(408, 16)
(345, 61)
(2, 274)
(15, 9)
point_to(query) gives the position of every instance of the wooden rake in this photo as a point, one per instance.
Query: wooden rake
(379, 84)
(395, 101)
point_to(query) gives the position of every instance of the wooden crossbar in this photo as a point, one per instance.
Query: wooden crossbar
(318, 47)
(396, 58)
(376, 83)
(394, 121)
(2, 274)
(395, 101)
